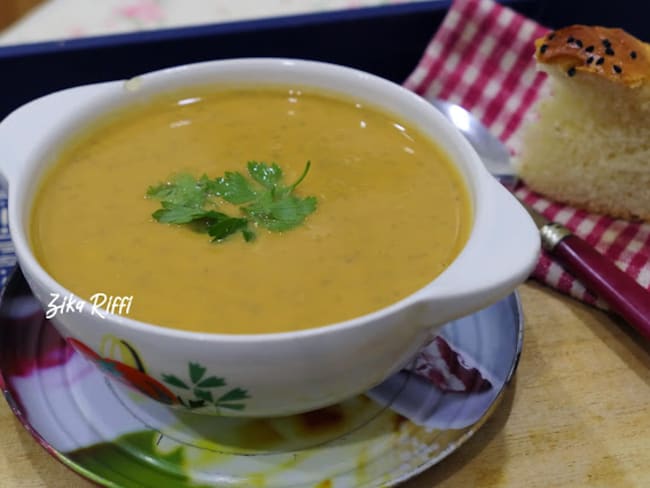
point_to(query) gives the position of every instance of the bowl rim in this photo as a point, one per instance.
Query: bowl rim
(478, 182)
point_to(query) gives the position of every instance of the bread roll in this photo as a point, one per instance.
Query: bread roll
(588, 144)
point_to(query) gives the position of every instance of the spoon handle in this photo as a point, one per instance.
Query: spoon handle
(622, 293)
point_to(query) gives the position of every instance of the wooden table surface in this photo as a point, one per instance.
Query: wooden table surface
(12, 10)
(577, 413)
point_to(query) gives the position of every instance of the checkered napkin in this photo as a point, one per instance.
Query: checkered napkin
(482, 58)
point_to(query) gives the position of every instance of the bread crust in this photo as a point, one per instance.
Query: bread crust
(608, 53)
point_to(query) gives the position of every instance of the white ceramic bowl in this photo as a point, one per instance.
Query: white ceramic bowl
(283, 373)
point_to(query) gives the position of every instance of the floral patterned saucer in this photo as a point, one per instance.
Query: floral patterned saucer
(116, 436)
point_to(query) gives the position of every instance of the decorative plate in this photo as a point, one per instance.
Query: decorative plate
(117, 437)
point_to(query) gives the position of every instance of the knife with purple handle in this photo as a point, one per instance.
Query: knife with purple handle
(600, 275)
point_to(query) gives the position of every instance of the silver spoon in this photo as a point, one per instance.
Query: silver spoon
(494, 154)
(623, 294)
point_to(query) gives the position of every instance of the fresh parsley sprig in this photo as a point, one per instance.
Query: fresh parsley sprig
(262, 197)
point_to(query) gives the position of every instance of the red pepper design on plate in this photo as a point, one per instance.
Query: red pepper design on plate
(134, 377)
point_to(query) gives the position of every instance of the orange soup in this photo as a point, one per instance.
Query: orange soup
(390, 211)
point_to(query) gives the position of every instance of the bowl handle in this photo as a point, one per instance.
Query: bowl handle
(18, 129)
(502, 252)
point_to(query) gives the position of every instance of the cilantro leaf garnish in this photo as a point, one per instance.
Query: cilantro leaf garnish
(233, 188)
(280, 214)
(266, 175)
(172, 213)
(184, 191)
(221, 229)
(262, 198)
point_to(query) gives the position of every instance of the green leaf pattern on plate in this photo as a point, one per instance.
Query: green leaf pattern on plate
(202, 389)
(114, 461)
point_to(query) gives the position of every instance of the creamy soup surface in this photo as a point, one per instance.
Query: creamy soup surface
(392, 212)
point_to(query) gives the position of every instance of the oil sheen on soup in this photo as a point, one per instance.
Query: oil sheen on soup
(391, 213)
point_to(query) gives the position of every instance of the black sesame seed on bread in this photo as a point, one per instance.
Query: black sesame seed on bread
(612, 54)
(589, 142)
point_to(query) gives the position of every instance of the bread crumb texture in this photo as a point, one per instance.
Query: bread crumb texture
(588, 142)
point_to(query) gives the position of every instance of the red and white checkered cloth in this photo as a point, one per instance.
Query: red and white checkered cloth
(482, 58)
